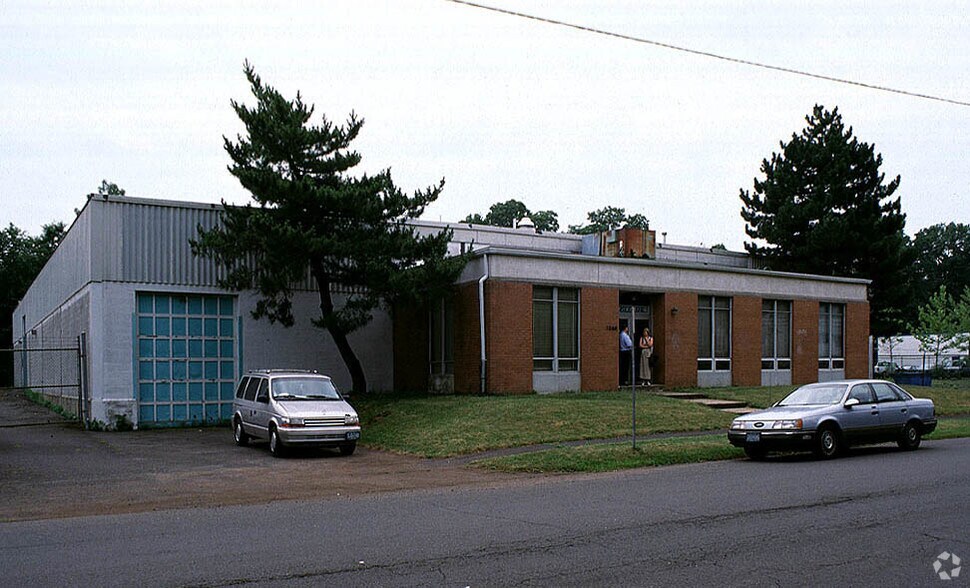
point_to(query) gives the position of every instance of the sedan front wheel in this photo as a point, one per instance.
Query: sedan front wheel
(828, 444)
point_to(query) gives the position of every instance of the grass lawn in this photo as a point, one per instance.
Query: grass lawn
(442, 426)
(617, 456)
(951, 397)
(951, 429)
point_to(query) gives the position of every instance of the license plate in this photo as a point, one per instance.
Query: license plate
(353, 435)
(753, 437)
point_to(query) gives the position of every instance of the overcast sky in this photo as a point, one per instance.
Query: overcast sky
(501, 107)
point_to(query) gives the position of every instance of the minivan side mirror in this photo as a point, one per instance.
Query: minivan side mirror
(851, 402)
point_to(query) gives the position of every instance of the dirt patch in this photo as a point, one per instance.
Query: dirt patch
(53, 469)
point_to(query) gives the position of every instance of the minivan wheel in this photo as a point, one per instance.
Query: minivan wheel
(238, 434)
(275, 445)
(827, 444)
(911, 437)
(348, 448)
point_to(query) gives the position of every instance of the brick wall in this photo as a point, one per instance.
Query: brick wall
(857, 340)
(804, 341)
(410, 344)
(508, 336)
(467, 340)
(599, 308)
(676, 339)
(746, 341)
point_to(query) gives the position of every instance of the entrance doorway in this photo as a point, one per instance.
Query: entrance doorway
(636, 312)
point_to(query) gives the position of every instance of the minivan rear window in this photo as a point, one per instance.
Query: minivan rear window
(242, 387)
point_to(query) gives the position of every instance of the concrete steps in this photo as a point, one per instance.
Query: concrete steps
(729, 406)
(719, 404)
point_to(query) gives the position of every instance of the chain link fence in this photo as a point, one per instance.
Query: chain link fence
(53, 374)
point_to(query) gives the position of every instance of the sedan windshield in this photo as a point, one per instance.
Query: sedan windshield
(304, 389)
(816, 394)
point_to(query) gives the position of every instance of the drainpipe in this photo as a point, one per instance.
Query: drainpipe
(481, 318)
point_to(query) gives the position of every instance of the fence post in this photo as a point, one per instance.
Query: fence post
(82, 382)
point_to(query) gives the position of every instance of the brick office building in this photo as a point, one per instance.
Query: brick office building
(531, 312)
(552, 308)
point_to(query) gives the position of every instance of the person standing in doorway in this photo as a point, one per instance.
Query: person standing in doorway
(626, 354)
(646, 350)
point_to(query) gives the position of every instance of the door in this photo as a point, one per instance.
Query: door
(861, 422)
(893, 411)
(261, 408)
(186, 354)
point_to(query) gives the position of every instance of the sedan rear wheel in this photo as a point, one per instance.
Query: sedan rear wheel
(910, 438)
(828, 444)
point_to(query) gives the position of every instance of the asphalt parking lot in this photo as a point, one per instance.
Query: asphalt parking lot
(51, 468)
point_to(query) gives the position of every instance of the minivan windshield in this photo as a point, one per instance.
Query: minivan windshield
(303, 389)
(815, 394)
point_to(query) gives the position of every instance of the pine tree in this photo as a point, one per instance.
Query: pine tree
(312, 216)
(823, 208)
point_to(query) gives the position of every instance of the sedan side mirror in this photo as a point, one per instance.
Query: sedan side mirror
(851, 402)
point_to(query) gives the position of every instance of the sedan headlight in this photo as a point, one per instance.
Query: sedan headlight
(737, 424)
(351, 419)
(291, 422)
(791, 424)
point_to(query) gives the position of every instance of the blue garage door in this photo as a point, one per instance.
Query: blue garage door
(187, 355)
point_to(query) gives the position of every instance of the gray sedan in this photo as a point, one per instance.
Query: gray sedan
(828, 417)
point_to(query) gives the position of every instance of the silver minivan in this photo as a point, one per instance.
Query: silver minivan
(293, 408)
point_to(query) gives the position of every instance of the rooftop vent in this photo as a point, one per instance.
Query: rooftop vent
(526, 224)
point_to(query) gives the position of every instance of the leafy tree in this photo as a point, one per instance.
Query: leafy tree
(823, 208)
(510, 212)
(942, 258)
(545, 220)
(312, 216)
(962, 319)
(110, 189)
(21, 259)
(937, 325)
(609, 218)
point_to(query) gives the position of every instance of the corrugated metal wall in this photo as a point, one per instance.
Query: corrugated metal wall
(67, 271)
(149, 243)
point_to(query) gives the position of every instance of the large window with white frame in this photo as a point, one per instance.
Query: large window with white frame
(713, 334)
(442, 335)
(831, 336)
(555, 329)
(776, 334)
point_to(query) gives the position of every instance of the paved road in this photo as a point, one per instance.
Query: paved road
(879, 517)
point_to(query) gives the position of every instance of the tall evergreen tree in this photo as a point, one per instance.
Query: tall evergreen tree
(823, 207)
(313, 216)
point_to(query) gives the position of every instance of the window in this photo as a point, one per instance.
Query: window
(242, 387)
(713, 333)
(555, 329)
(442, 333)
(831, 339)
(885, 393)
(862, 393)
(776, 335)
(251, 389)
